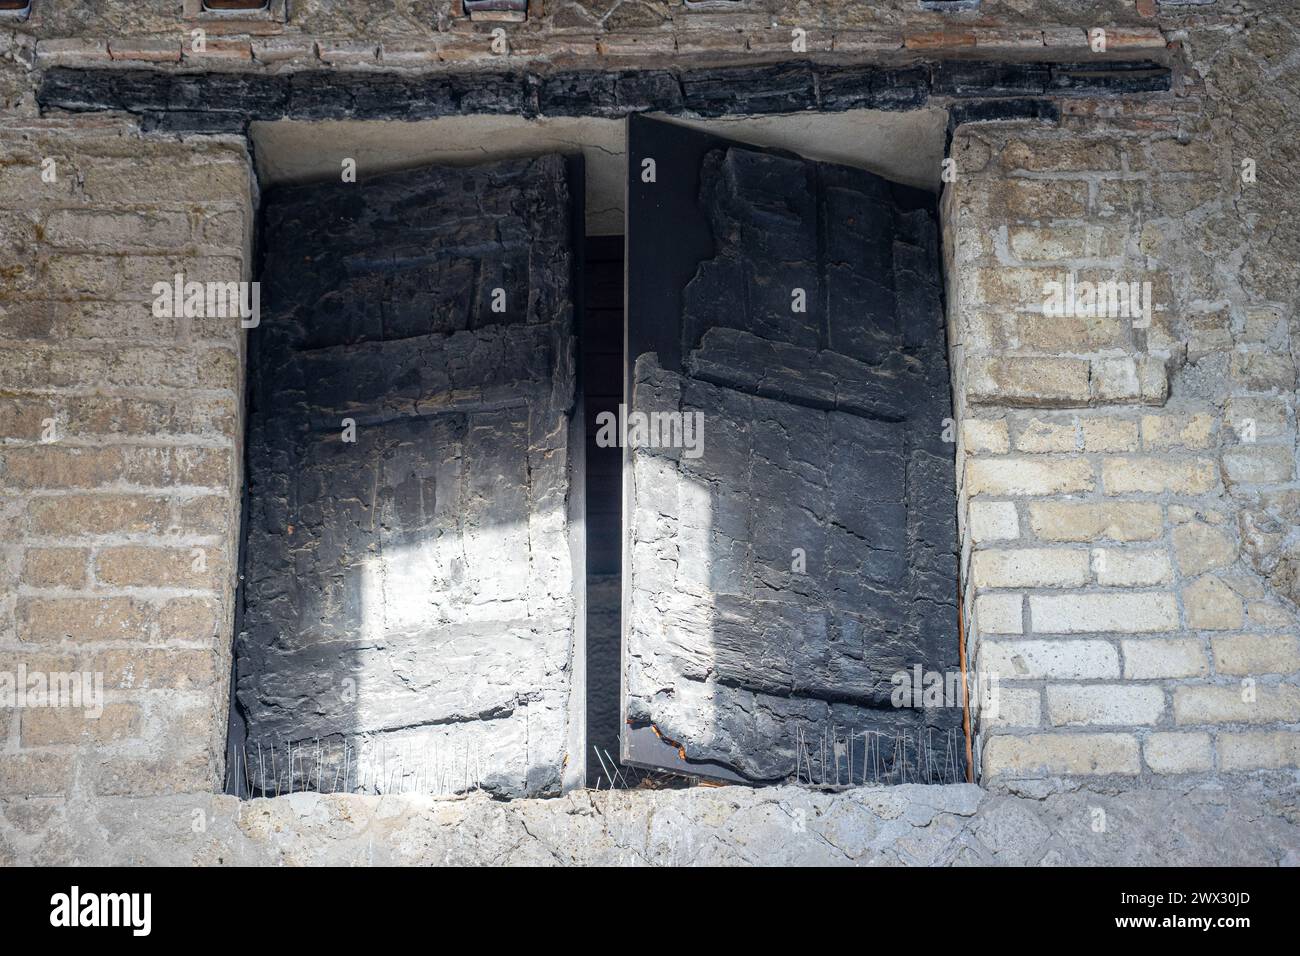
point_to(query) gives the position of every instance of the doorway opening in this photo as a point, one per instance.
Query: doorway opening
(457, 468)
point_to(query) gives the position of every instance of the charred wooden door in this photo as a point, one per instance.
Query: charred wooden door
(778, 577)
(412, 615)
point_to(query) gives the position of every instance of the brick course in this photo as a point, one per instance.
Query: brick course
(118, 452)
(1102, 470)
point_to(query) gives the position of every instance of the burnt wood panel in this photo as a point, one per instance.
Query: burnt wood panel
(227, 102)
(776, 582)
(409, 616)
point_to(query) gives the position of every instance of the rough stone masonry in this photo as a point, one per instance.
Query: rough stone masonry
(1127, 491)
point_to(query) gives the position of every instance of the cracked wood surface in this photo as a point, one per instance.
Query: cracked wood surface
(822, 448)
(409, 593)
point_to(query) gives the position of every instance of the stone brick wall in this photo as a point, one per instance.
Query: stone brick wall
(1113, 472)
(119, 453)
(1131, 558)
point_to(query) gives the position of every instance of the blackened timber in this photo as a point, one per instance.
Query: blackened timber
(973, 78)
(1085, 79)
(410, 581)
(780, 574)
(788, 88)
(225, 102)
(986, 111)
(856, 87)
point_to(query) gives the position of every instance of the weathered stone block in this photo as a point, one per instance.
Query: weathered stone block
(1030, 567)
(1258, 464)
(993, 521)
(1027, 477)
(1254, 418)
(1116, 567)
(1053, 660)
(981, 436)
(1262, 371)
(1109, 435)
(69, 515)
(999, 613)
(1173, 431)
(82, 619)
(1260, 704)
(1167, 753)
(1111, 705)
(1038, 199)
(1173, 156)
(1046, 754)
(144, 776)
(1087, 613)
(189, 619)
(1248, 654)
(1002, 706)
(1201, 547)
(1211, 605)
(35, 774)
(55, 567)
(51, 466)
(1195, 476)
(202, 179)
(1258, 751)
(100, 229)
(1052, 155)
(1152, 658)
(1143, 380)
(163, 467)
(53, 726)
(1039, 436)
(138, 566)
(1037, 382)
(142, 669)
(1089, 521)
